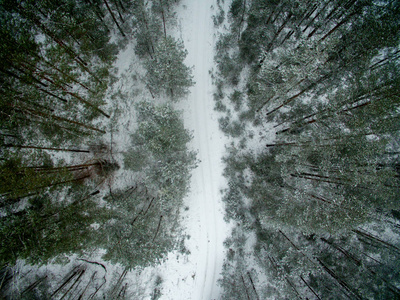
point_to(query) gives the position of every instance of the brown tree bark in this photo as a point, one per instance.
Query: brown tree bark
(376, 239)
(339, 280)
(289, 16)
(114, 19)
(310, 288)
(44, 148)
(337, 26)
(252, 284)
(46, 115)
(158, 228)
(163, 19)
(245, 288)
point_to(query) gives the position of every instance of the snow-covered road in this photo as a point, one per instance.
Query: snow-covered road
(196, 278)
(206, 203)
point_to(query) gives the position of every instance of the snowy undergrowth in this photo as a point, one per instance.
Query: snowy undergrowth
(138, 133)
(266, 109)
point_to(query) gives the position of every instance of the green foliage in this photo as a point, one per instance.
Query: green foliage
(55, 73)
(163, 141)
(219, 18)
(229, 68)
(319, 193)
(156, 294)
(46, 229)
(237, 99)
(131, 233)
(140, 231)
(166, 72)
(19, 180)
(55, 63)
(162, 129)
(146, 35)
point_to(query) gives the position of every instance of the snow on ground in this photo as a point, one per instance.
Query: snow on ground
(195, 276)
(191, 276)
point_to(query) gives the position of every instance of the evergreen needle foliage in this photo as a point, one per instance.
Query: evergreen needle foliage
(57, 166)
(320, 189)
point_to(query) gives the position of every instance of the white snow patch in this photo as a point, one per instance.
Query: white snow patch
(195, 276)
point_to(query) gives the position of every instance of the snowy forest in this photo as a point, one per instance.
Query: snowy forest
(309, 94)
(94, 160)
(96, 154)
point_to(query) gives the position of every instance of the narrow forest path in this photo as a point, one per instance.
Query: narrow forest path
(204, 218)
(205, 198)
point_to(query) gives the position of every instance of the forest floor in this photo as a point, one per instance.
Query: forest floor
(192, 271)
(195, 276)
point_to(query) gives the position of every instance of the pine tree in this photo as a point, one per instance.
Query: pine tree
(167, 72)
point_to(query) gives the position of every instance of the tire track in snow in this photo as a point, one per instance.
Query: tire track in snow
(205, 204)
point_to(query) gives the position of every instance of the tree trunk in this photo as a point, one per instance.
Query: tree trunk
(252, 284)
(343, 251)
(75, 282)
(391, 56)
(48, 32)
(119, 282)
(158, 228)
(73, 167)
(147, 28)
(45, 148)
(289, 34)
(46, 115)
(33, 285)
(279, 31)
(114, 19)
(310, 288)
(321, 176)
(241, 19)
(307, 15)
(63, 182)
(43, 74)
(53, 95)
(116, 3)
(315, 17)
(37, 105)
(337, 26)
(293, 287)
(87, 285)
(67, 49)
(97, 289)
(13, 74)
(88, 104)
(333, 11)
(270, 15)
(376, 239)
(245, 288)
(148, 207)
(315, 179)
(67, 75)
(122, 6)
(338, 280)
(281, 144)
(73, 131)
(74, 273)
(163, 19)
(312, 85)
(289, 240)
(320, 198)
(264, 103)
(278, 13)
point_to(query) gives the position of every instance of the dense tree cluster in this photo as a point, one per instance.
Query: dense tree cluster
(55, 70)
(144, 218)
(314, 171)
(56, 161)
